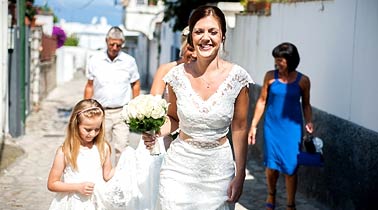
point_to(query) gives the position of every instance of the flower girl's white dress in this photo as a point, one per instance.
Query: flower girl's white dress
(89, 170)
(194, 174)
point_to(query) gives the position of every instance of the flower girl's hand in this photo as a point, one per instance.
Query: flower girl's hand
(86, 188)
(149, 139)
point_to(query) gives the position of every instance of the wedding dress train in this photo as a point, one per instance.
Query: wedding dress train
(134, 185)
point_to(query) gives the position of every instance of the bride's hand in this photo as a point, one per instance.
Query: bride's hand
(235, 188)
(149, 139)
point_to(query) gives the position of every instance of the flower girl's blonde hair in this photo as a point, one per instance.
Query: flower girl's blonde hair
(88, 108)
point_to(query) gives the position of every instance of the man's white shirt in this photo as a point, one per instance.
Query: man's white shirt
(112, 79)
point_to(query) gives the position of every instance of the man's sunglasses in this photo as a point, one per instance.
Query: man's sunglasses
(115, 44)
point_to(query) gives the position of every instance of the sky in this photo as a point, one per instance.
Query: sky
(83, 11)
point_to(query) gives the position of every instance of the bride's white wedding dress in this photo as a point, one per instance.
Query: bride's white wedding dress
(194, 174)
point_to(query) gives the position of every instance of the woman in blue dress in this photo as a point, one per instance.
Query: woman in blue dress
(285, 98)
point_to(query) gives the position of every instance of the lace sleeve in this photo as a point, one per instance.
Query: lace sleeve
(174, 77)
(242, 77)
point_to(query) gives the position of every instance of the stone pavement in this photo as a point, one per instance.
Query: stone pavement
(23, 183)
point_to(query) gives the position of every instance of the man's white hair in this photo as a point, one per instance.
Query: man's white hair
(115, 33)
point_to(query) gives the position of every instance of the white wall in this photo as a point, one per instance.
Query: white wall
(337, 42)
(3, 68)
(364, 98)
(168, 39)
(70, 60)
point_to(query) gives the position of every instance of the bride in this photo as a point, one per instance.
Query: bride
(200, 170)
(206, 97)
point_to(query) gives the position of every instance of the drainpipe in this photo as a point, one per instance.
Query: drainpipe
(21, 23)
(17, 76)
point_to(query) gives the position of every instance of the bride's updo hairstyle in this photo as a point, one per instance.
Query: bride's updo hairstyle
(204, 11)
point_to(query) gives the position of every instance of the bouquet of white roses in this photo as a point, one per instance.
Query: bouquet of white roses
(145, 113)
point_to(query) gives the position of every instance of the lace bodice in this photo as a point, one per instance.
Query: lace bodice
(206, 119)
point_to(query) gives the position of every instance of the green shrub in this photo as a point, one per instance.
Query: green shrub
(71, 41)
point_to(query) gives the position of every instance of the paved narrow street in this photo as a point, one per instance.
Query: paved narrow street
(23, 184)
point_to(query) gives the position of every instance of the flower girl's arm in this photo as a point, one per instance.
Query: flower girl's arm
(54, 182)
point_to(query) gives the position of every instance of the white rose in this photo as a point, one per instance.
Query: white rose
(158, 112)
(131, 110)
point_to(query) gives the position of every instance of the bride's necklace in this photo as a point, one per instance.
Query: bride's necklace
(208, 85)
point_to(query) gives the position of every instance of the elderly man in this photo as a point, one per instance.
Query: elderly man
(113, 79)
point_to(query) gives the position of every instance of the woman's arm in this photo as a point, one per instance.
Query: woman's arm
(158, 85)
(306, 106)
(260, 107)
(239, 130)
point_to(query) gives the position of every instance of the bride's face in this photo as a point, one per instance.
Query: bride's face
(207, 37)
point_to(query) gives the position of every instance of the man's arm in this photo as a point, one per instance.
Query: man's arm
(88, 91)
(135, 86)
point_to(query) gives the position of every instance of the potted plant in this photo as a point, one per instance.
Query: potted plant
(30, 12)
(259, 7)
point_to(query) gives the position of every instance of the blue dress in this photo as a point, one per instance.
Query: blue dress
(283, 125)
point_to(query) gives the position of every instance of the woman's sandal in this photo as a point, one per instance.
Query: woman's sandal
(291, 207)
(271, 206)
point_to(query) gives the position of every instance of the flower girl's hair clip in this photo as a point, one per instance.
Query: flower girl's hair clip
(93, 108)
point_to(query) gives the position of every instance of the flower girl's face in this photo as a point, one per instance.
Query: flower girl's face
(89, 129)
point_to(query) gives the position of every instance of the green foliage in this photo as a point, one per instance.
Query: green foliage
(147, 124)
(55, 19)
(71, 41)
(180, 10)
(30, 9)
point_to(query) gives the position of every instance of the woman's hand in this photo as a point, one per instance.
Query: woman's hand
(309, 127)
(235, 188)
(149, 139)
(252, 135)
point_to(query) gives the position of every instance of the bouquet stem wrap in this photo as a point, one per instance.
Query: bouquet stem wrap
(156, 148)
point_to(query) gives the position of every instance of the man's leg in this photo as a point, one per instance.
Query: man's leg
(109, 133)
(120, 137)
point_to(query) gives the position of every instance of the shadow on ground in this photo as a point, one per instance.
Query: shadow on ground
(9, 154)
